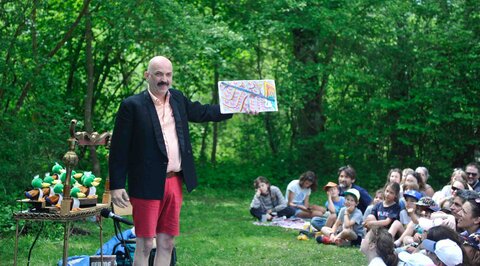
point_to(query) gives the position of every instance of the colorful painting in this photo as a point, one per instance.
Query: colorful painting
(241, 96)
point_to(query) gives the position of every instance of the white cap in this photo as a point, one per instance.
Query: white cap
(446, 250)
(415, 259)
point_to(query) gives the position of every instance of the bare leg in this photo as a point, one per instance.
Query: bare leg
(332, 218)
(407, 233)
(165, 245)
(396, 228)
(326, 230)
(348, 234)
(142, 250)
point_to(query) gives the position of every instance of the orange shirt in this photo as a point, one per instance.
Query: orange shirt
(167, 122)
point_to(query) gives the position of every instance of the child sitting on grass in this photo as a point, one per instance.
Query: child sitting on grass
(406, 215)
(268, 200)
(379, 196)
(348, 227)
(384, 213)
(298, 196)
(333, 204)
(414, 231)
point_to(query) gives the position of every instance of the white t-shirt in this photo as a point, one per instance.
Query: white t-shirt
(299, 193)
(377, 261)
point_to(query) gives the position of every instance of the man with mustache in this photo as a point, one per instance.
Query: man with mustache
(151, 145)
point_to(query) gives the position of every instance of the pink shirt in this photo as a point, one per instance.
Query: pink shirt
(167, 122)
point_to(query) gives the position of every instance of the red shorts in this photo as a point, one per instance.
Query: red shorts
(159, 216)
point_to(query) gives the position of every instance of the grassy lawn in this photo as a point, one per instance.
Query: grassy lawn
(216, 229)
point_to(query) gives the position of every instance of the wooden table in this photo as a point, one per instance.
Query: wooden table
(67, 219)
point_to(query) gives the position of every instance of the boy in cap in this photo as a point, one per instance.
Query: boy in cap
(421, 222)
(443, 252)
(406, 215)
(348, 227)
(333, 205)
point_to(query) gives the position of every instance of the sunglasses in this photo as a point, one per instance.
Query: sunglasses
(455, 188)
(471, 174)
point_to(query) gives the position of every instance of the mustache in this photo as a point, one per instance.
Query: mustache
(161, 83)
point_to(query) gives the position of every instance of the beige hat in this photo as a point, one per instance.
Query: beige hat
(329, 185)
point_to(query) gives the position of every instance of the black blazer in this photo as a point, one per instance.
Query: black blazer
(138, 149)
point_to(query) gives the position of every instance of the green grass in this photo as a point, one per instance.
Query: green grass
(216, 229)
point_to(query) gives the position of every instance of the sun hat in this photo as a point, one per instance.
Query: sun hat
(353, 192)
(415, 259)
(446, 250)
(329, 185)
(429, 203)
(412, 194)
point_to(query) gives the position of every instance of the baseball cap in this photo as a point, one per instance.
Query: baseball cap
(412, 194)
(329, 185)
(415, 259)
(429, 203)
(353, 192)
(446, 250)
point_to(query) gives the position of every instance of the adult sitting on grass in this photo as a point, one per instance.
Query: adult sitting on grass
(268, 200)
(456, 207)
(298, 196)
(472, 171)
(469, 221)
(346, 179)
(423, 171)
(457, 175)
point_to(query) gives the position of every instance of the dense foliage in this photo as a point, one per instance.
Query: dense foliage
(375, 84)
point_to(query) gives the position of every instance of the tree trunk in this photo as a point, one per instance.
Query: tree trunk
(267, 118)
(203, 149)
(89, 94)
(213, 158)
(73, 55)
(310, 119)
